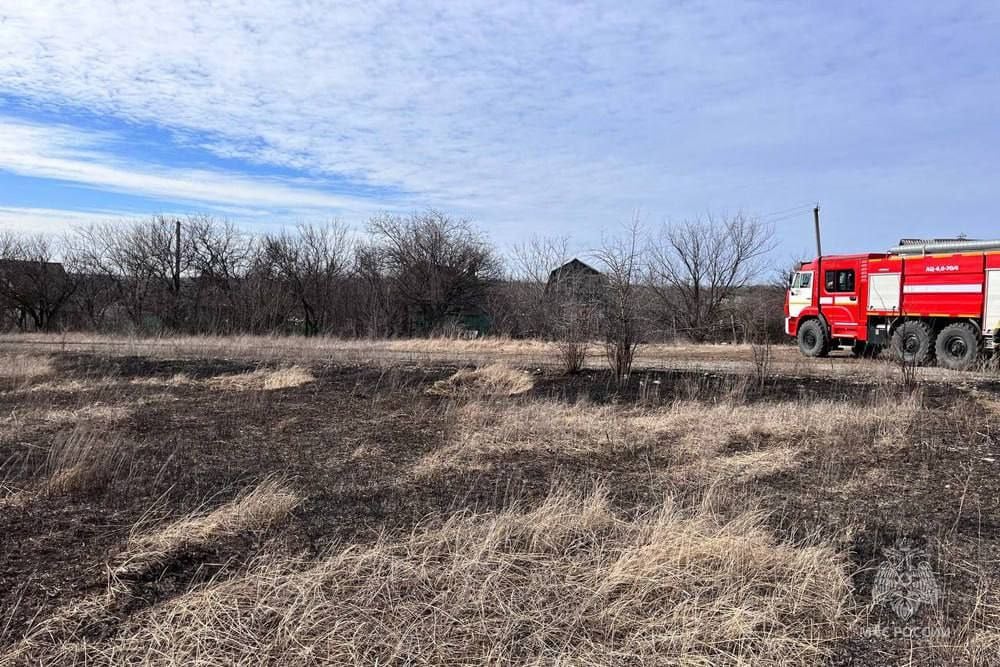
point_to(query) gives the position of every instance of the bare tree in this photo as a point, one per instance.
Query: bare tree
(31, 282)
(312, 263)
(144, 260)
(374, 305)
(697, 266)
(623, 261)
(221, 259)
(439, 267)
(531, 265)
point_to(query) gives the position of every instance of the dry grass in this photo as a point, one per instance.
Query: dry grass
(724, 438)
(74, 386)
(20, 371)
(569, 582)
(695, 580)
(983, 648)
(176, 380)
(253, 510)
(263, 378)
(97, 411)
(57, 640)
(486, 381)
(84, 461)
(481, 352)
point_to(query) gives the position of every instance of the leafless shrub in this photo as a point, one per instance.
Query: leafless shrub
(697, 266)
(761, 355)
(572, 355)
(908, 374)
(622, 259)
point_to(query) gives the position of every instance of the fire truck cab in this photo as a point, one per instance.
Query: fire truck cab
(923, 299)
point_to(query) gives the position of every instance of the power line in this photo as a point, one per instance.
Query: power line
(788, 216)
(794, 210)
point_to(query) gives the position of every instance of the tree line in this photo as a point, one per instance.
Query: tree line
(420, 274)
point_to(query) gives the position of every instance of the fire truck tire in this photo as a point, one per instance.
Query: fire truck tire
(958, 346)
(913, 342)
(813, 341)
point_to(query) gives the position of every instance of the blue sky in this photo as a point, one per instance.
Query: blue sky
(527, 117)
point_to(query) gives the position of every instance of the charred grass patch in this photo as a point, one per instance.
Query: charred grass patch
(485, 515)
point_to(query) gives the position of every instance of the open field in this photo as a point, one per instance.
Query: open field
(527, 354)
(288, 501)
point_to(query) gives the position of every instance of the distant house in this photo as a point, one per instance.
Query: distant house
(34, 292)
(577, 281)
(573, 295)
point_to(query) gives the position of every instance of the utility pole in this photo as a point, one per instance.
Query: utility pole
(819, 265)
(177, 256)
(819, 245)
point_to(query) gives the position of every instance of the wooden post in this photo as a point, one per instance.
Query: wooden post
(177, 257)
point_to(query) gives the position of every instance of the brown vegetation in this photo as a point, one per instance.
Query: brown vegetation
(569, 581)
(419, 514)
(492, 380)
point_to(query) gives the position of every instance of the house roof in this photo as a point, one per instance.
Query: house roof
(28, 275)
(573, 266)
(23, 267)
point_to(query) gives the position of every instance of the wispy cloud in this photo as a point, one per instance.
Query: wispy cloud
(52, 221)
(522, 115)
(67, 154)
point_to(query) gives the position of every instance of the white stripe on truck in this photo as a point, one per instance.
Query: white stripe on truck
(942, 289)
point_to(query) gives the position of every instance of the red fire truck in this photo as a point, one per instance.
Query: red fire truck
(924, 299)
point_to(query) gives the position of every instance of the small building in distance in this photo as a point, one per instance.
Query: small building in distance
(577, 281)
(574, 293)
(33, 293)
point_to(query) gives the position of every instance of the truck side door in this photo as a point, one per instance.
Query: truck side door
(839, 297)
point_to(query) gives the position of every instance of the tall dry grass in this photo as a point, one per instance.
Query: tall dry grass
(485, 381)
(264, 378)
(569, 582)
(85, 461)
(82, 461)
(253, 510)
(20, 371)
(67, 637)
(695, 438)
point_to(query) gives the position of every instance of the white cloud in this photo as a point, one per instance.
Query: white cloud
(65, 154)
(519, 114)
(51, 221)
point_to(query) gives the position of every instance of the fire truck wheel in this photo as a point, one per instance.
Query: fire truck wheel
(958, 346)
(812, 339)
(913, 342)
